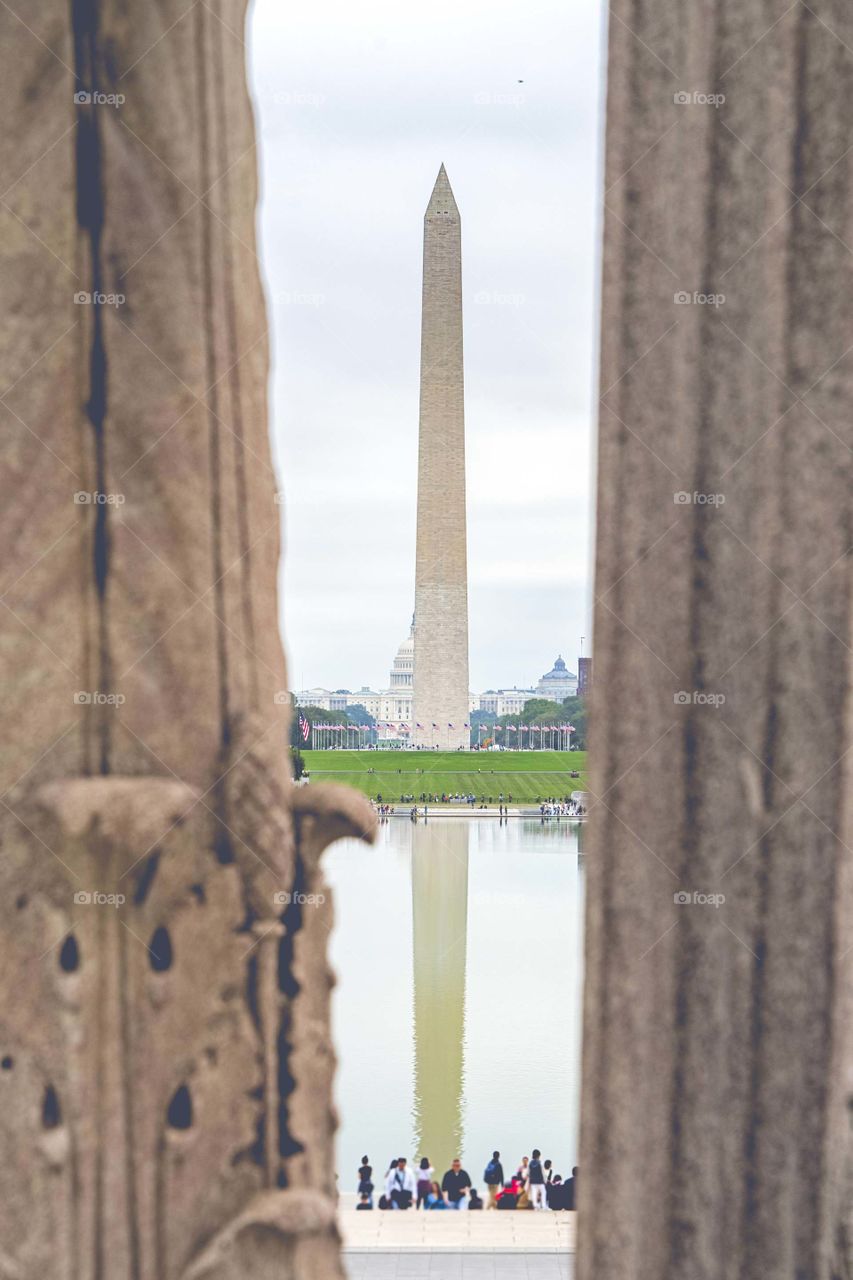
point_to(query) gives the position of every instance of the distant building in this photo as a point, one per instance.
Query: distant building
(367, 698)
(392, 709)
(325, 699)
(557, 684)
(403, 666)
(584, 676)
(505, 702)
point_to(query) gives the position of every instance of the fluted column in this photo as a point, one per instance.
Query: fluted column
(717, 1052)
(152, 1031)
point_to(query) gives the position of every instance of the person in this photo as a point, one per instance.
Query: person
(426, 1173)
(365, 1180)
(523, 1178)
(364, 1201)
(494, 1179)
(508, 1197)
(385, 1201)
(536, 1181)
(474, 1201)
(402, 1185)
(455, 1184)
(571, 1199)
(435, 1200)
(556, 1192)
(388, 1187)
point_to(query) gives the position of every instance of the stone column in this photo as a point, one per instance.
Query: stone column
(717, 1052)
(150, 1020)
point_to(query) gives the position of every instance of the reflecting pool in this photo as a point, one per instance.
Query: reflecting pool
(457, 947)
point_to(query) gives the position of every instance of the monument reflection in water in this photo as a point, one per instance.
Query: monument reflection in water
(440, 931)
(457, 946)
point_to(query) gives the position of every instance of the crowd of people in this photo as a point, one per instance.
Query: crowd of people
(534, 1185)
(445, 797)
(566, 808)
(552, 807)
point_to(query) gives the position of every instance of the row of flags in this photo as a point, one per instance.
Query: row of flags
(305, 727)
(534, 728)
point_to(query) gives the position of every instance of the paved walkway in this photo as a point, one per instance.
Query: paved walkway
(411, 1265)
(483, 1232)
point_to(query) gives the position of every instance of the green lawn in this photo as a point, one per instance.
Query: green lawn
(529, 776)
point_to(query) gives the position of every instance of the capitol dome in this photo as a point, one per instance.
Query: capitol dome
(403, 667)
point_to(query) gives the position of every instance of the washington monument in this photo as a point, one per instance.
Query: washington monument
(440, 694)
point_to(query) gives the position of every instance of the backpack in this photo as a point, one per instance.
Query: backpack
(490, 1176)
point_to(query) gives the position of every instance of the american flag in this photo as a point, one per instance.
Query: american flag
(304, 727)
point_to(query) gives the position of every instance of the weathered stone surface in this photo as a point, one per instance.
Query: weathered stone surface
(157, 403)
(159, 1120)
(440, 700)
(717, 1052)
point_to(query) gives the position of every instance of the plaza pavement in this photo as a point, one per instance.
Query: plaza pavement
(412, 1265)
(485, 1245)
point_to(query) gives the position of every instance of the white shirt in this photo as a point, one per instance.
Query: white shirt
(399, 1181)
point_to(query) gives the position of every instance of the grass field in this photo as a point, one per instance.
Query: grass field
(529, 776)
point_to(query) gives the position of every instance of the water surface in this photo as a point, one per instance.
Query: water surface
(457, 947)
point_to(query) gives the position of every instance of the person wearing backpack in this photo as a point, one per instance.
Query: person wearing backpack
(536, 1181)
(494, 1179)
(402, 1185)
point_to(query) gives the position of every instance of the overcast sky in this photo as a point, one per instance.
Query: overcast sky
(358, 105)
